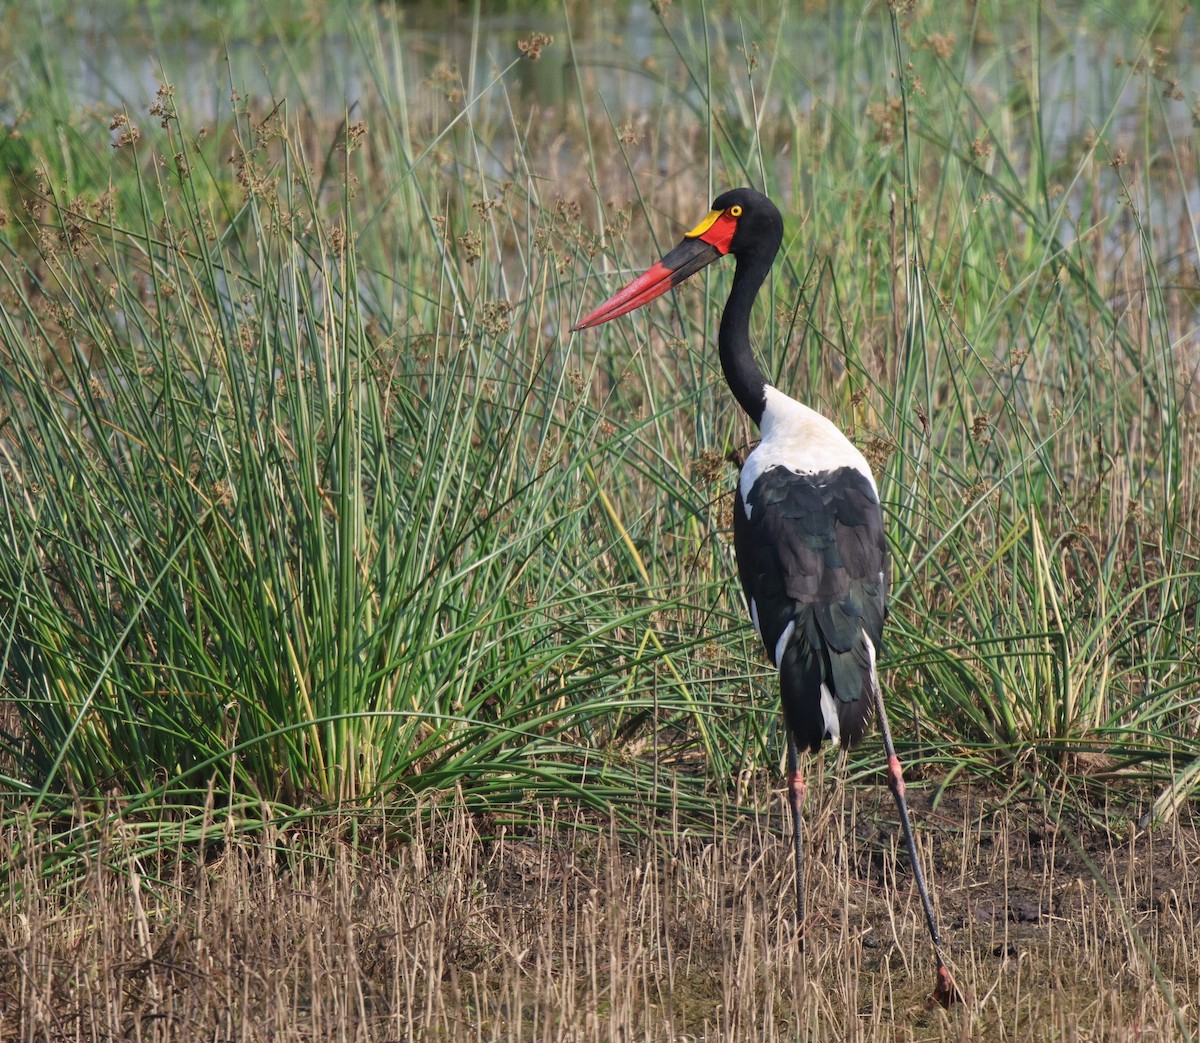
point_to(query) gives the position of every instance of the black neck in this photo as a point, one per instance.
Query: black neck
(742, 373)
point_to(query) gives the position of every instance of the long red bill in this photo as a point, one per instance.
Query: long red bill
(685, 260)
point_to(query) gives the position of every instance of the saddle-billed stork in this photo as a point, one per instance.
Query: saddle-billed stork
(807, 527)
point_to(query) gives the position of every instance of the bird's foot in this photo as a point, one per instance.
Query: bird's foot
(945, 992)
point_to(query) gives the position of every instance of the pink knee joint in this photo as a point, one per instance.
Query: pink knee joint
(795, 783)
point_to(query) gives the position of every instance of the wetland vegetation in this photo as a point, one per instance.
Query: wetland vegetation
(372, 664)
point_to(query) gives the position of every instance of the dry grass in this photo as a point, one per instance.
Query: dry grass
(463, 931)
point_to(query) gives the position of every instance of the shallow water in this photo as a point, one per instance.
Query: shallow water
(326, 58)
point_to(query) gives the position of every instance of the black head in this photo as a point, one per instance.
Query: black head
(759, 229)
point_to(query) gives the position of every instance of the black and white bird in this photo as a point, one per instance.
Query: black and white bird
(807, 526)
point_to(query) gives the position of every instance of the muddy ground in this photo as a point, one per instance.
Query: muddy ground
(1056, 927)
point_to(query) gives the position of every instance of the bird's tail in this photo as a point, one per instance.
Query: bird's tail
(828, 694)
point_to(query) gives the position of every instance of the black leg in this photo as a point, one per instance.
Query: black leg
(944, 991)
(795, 784)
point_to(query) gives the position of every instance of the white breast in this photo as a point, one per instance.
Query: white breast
(800, 439)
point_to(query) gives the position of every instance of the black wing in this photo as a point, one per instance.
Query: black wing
(811, 553)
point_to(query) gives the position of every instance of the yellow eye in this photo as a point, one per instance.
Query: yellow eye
(735, 211)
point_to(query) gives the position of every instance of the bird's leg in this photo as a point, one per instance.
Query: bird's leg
(944, 991)
(795, 783)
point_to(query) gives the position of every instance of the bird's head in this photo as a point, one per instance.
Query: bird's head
(741, 222)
